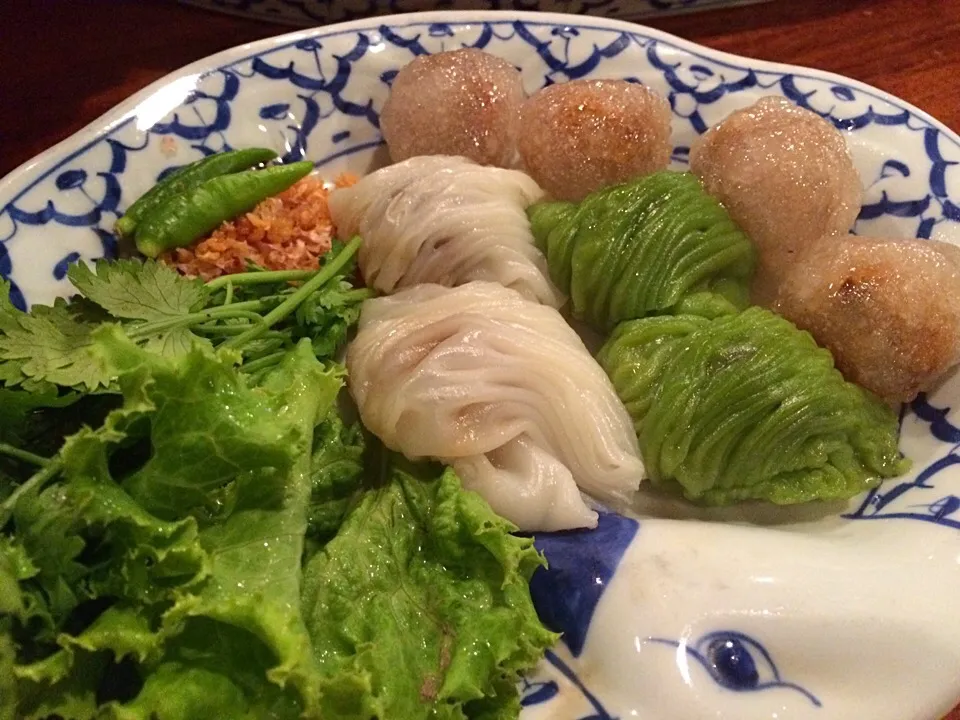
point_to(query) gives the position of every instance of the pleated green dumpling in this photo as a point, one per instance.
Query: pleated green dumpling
(748, 407)
(655, 245)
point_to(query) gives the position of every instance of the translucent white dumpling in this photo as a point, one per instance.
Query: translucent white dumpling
(445, 220)
(503, 390)
(526, 484)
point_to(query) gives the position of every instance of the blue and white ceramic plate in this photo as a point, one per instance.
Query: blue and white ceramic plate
(307, 13)
(828, 613)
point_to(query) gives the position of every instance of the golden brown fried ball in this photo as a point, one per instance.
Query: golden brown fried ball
(785, 176)
(459, 102)
(583, 135)
(888, 310)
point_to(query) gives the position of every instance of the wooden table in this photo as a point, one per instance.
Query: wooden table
(50, 86)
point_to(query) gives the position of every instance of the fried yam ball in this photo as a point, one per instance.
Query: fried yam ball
(888, 310)
(459, 102)
(584, 135)
(785, 176)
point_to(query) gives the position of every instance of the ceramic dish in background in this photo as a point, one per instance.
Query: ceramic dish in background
(307, 13)
(826, 613)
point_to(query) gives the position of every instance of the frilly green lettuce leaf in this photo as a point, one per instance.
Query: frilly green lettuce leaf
(420, 558)
(171, 547)
(258, 440)
(211, 670)
(17, 405)
(60, 686)
(159, 540)
(336, 475)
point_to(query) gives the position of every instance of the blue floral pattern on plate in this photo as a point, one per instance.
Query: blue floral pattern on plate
(318, 97)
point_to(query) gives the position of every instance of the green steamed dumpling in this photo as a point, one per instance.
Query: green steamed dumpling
(748, 407)
(655, 245)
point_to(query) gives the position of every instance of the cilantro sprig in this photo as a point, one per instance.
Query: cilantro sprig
(260, 314)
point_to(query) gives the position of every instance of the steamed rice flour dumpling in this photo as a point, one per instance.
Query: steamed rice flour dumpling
(504, 391)
(747, 407)
(445, 220)
(658, 244)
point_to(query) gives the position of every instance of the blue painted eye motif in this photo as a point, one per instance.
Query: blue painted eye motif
(731, 663)
(736, 662)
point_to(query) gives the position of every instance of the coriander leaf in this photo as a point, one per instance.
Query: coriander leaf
(10, 373)
(174, 342)
(420, 606)
(144, 291)
(8, 313)
(136, 290)
(48, 344)
(324, 316)
(327, 317)
(83, 310)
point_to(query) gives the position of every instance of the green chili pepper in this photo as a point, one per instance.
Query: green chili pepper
(187, 177)
(183, 218)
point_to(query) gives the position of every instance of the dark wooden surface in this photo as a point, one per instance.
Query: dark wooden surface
(65, 62)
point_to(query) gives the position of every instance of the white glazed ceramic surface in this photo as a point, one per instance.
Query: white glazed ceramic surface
(826, 612)
(307, 13)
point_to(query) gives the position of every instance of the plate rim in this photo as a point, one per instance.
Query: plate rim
(125, 110)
